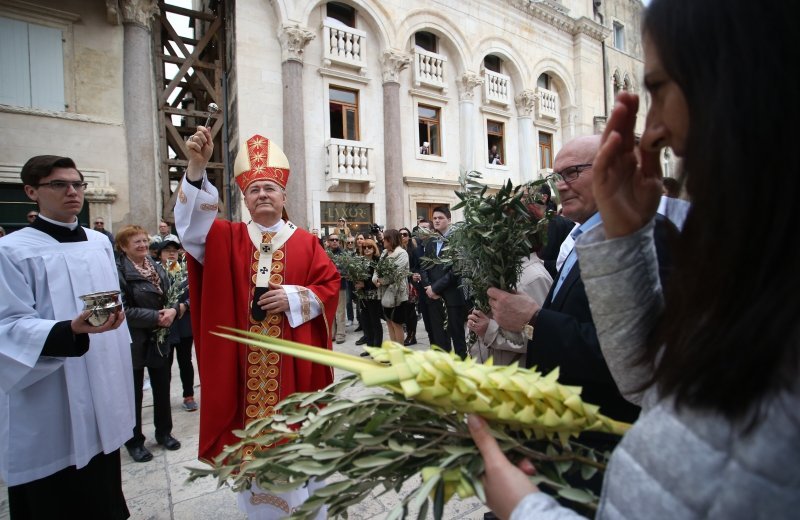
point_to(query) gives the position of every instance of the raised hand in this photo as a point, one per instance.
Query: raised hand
(626, 177)
(200, 147)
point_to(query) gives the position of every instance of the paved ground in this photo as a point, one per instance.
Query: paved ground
(157, 490)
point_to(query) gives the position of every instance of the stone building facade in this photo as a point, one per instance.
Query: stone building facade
(379, 105)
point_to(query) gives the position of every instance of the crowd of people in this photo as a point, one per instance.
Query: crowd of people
(649, 303)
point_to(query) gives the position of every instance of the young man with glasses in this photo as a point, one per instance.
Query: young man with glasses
(68, 381)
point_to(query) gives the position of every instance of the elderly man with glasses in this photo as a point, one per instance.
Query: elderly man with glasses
(561, 332)
(100, 227)
(268, 276)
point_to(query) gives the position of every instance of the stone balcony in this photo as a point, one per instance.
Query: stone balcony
(429, 69)
(496, 88)
(344, 46)
(546, 104)
(348, 162)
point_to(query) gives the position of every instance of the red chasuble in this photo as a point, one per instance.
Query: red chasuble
(242, 383)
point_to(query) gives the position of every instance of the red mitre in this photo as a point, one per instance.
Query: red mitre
(260, 159)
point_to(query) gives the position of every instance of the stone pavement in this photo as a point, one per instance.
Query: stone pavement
(157, 490)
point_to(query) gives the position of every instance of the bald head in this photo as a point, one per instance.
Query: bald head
(574, 163)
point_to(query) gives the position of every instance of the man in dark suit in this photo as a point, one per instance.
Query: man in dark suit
(423, 226)
(561, 332)
(446, 303)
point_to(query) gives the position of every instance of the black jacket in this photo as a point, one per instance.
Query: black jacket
(141, 302)
(565, 336)
(441, 278)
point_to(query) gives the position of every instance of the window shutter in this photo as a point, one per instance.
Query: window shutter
(15, 83)
(47, 67)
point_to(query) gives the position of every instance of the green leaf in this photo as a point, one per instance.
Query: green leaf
(371, 462)
(576, 495)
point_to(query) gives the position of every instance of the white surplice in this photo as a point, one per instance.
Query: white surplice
(57, 412)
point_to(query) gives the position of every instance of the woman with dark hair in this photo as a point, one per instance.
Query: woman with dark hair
(410, 245)
(713, 358)
(370, 302)
(394, 295)
(144, 285)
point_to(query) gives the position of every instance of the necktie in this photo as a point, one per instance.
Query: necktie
(568, 263)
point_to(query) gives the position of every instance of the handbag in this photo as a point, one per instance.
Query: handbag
(413, 294)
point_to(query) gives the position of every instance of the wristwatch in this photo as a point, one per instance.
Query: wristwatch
(527, 330)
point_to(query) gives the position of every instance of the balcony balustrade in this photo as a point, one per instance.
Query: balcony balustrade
(348, 162)
(344, 46)
(429, 69)
(496, 88)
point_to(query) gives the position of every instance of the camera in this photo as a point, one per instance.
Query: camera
(375, 229)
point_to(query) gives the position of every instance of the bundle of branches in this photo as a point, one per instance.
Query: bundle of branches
(380, 442)
(498, 232)
(389, 272)
(178, 279)
(355, 267)
(387, 439)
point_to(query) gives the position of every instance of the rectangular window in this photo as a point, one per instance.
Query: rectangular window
(426, 41)
(425, 209)
(496, 147)
(343, 13)
(343, 107)
(545, 150)
(619, 36)
(429, 131)
(32, 61)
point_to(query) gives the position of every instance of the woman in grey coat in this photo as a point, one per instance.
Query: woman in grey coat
(714, 357)
(144, 285)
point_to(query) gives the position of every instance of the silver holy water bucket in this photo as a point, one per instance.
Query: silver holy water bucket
(102, 304)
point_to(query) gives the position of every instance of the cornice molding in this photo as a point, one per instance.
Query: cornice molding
(557, 16)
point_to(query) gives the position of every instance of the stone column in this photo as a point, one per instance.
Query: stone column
(293, 40)
(393, 62)
(529, 159)
(140, 110)
(466, 112)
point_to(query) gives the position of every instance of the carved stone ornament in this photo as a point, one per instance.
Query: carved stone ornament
(293, 42)
(526, 102)
(392, 63)
(139, 12)
(466, 85)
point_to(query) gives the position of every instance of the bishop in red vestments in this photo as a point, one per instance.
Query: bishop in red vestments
(266, 276)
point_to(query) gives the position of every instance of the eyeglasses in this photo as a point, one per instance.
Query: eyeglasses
(403, 234)
(351, 243)
(99, 222)
(570, 173)
(63, 185)
(333, 240)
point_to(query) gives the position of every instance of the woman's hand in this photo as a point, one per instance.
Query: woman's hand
(478, 322)
(166, 317)
(504, 483)
(626, 179)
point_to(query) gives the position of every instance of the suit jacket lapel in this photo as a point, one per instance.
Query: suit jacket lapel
(572, 277)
